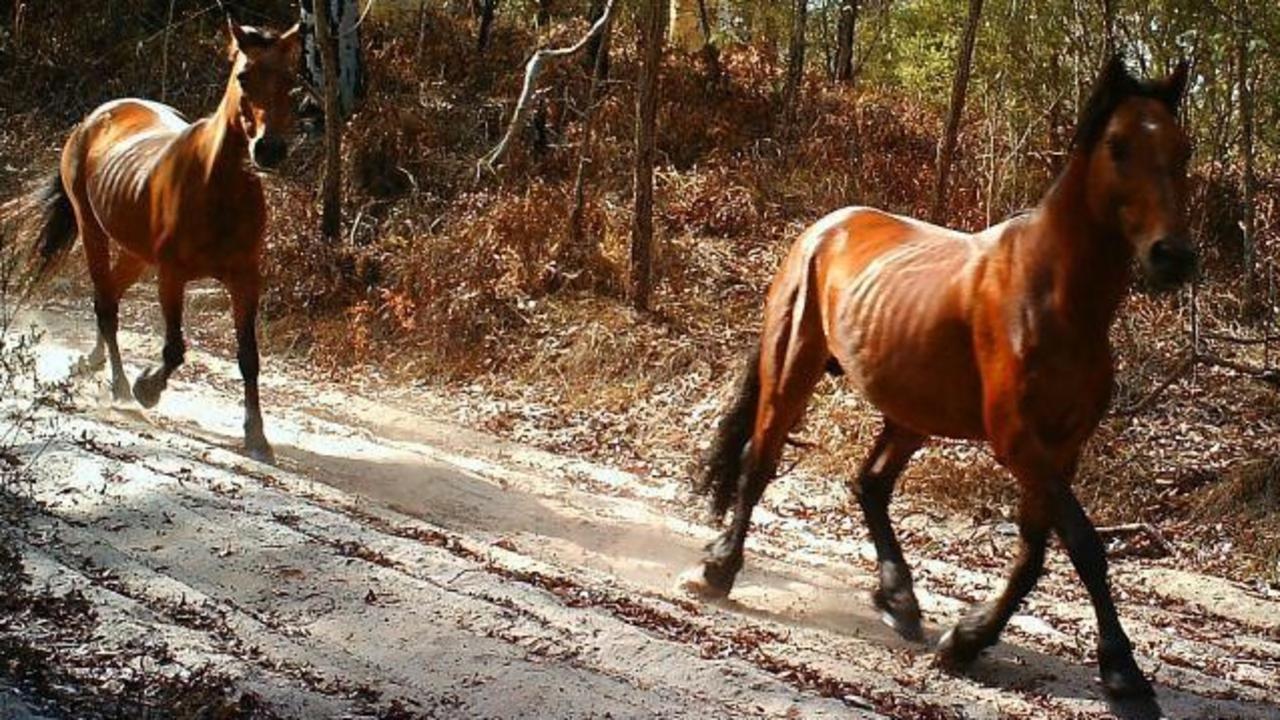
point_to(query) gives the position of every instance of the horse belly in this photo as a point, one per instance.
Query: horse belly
(933, 389)
(909, 349)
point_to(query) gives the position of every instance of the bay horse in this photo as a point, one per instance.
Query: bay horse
(182, 197)
(1001, 336)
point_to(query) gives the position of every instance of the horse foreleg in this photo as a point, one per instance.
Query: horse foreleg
(244, 302)
(981, 628)
(895, 596)
(151, 383)
(1120, 674)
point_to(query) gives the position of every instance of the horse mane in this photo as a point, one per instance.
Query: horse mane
(1113, 87)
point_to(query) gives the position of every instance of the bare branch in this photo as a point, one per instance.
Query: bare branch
(1270, 376)
(1181, 369)
(532, 70)
(1138, 528)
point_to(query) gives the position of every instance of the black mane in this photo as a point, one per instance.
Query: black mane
(1114, 86)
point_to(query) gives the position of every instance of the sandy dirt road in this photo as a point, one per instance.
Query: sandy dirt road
(391, 561)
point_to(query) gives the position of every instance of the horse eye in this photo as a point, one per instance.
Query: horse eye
(1119, 149)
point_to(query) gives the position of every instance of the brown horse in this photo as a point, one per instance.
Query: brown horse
(999, 336)
(180, 196)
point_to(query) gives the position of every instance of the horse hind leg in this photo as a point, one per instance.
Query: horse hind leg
(109, 284)
(895, 595)
(151, 382)
(789, 371)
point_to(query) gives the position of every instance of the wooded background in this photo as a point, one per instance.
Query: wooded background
(667, 165)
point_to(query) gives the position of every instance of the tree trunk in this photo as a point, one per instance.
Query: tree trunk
(1247, 180)
(331, 217)
(581, 248)
(487, 9)
(685, 29)
(710, 53)
(846, 32)
(651, 26)
(544, 13)
(598, 44)
(343, 17)
(960, 86)
(795, 60)
(422, 29)
(1108, 29)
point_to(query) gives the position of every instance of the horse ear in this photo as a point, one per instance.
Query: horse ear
(1176, 85)
(1115, 74)
(239, 36)
(290, 39)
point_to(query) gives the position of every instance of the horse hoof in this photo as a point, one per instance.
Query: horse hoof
(146, 389)
(87, 365)
(906, 629)
(261, 452)
(1123, 680)
(694, 582)
(902, 614)
(954, 653)
(121, 393)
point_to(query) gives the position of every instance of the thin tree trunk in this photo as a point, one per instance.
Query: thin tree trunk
(487, 9)
(600, 43)
(960, 86)
(684, 33)
(544, 13)
(343, 16)
(795, 60)
(710, 53)
(331, 217)
(652, 22)
(1108, 28)
(422, 28)
(581, 247)
(1247, 182)
(846, 31)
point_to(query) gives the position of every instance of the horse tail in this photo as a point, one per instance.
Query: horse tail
(722, 466)
(55, 231)
(39, 227)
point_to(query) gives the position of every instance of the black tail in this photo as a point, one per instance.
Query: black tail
(723, 463)
(55, 230)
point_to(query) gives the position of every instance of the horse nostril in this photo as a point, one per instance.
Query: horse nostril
(269, 151)
(1161, 255)
(1172, 258)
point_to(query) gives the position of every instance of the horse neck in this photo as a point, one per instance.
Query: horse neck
(222, 145)
(1086, 257)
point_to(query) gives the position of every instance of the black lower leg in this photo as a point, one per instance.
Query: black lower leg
(1120, 673)
(981, 628)
(895, 595)
(724, 554)
(107, 310)
(247, 356)
(148, 387)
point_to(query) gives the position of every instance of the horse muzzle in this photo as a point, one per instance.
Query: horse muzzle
(1170, 262)
(269, 151)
